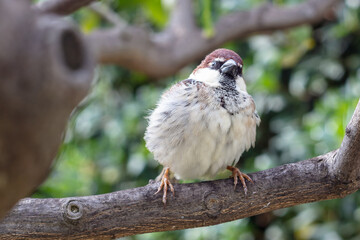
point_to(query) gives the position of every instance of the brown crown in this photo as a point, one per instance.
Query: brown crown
(219, 53)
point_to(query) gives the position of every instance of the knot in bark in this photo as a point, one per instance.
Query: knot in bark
(213, 204)
(73, 210)
(348, 131)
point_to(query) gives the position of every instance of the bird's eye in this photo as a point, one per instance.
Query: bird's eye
(240, 69)
(216, 64)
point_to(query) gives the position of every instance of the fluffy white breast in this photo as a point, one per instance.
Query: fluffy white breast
(193, 135)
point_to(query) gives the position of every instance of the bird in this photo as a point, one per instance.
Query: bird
(203, 124)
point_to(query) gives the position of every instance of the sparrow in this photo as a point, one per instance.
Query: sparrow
(203, 124)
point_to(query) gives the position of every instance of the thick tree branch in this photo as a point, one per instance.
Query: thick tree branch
(138, 210)
(162, 54)
(46, 70)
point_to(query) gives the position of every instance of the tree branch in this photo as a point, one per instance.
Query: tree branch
(138, 210)
(61, 7)
(106, 13)
(162, 54)
(182, 18)
(346, 165)
(46, 70)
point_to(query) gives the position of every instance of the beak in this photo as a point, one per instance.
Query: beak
(230, 68)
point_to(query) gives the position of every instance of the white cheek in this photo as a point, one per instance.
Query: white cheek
(240, 84)
(206, 75)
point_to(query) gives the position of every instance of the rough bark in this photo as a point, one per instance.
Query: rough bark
(138, 210)
(45, 71)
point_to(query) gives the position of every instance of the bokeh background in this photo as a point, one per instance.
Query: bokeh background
(305, 82)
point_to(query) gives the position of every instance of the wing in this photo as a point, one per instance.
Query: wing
(168, 122)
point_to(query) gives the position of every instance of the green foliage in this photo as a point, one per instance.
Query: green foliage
(206, 18)
(305, 83)
(153, 13)
(89, 20)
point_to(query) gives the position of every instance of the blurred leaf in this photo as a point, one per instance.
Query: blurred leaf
(156, 13)
(207, 20)
(87, 20)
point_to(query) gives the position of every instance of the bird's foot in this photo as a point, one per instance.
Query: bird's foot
(164, 184)
(242, 176)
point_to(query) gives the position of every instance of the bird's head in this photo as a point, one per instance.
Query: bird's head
(222, 67)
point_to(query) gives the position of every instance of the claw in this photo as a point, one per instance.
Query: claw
(164, 184)
(235, 174)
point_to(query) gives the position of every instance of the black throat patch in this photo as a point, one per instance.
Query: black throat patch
(227, 95)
